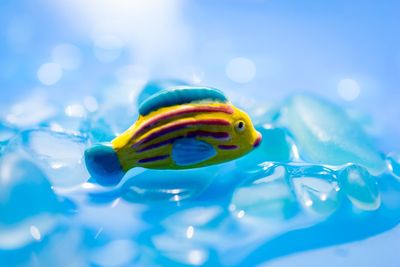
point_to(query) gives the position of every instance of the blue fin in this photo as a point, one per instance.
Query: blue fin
(103, 165)
(156, 86)
(180, 95)
(188, 151)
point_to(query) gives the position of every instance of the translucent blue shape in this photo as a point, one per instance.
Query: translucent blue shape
(27, 203)
(167, 185)
(360, 187)
(275, 147)
(74, 125)
(189, 151)
(101, 131)
(115, 253)
(156, 86)
(35, 108)
(180, 95)
(178, 250)
(6, 133)
(59, 154)
(111, 121)
(267, 195)
(316, 188)
(24, 192)
(326, 135)
(196, 216)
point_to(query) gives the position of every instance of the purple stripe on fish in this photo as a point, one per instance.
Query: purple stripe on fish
(160, 144)
(216, 135)
(227, 147)
(152, 159)
(179, 112)
(175, 126)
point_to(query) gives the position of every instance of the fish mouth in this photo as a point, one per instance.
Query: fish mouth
(258, 140)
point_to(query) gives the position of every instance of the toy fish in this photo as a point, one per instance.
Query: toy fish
(178, 128)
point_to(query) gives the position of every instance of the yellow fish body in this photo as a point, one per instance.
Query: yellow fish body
(178, 128)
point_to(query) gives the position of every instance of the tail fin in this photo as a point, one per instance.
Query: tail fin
(103, 164)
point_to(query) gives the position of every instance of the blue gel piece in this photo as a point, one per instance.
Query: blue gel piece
(325, 134)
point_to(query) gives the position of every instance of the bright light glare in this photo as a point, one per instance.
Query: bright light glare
(196, 257)
(348, 89)
(35, 232)
(151, 31)
(241, 70)
(67, 56)
(190, 232)
(49, 73)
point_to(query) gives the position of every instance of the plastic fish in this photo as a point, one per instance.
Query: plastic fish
(178, 128)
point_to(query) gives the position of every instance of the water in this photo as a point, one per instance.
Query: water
(58, 153)
(315, 181)
(322, 189)
(29, 209)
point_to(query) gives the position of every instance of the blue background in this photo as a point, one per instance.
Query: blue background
(295, 45)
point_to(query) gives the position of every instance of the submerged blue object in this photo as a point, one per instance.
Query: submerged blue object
(325, 134)
(27, 190)
(102, 162)
(180, 95)
(190, 151)
(360, 187)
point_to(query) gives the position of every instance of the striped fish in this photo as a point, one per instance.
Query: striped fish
(178, 128)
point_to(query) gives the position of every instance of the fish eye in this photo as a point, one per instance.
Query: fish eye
(240, 125)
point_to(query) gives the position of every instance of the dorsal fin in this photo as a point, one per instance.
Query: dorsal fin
(180, 95)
